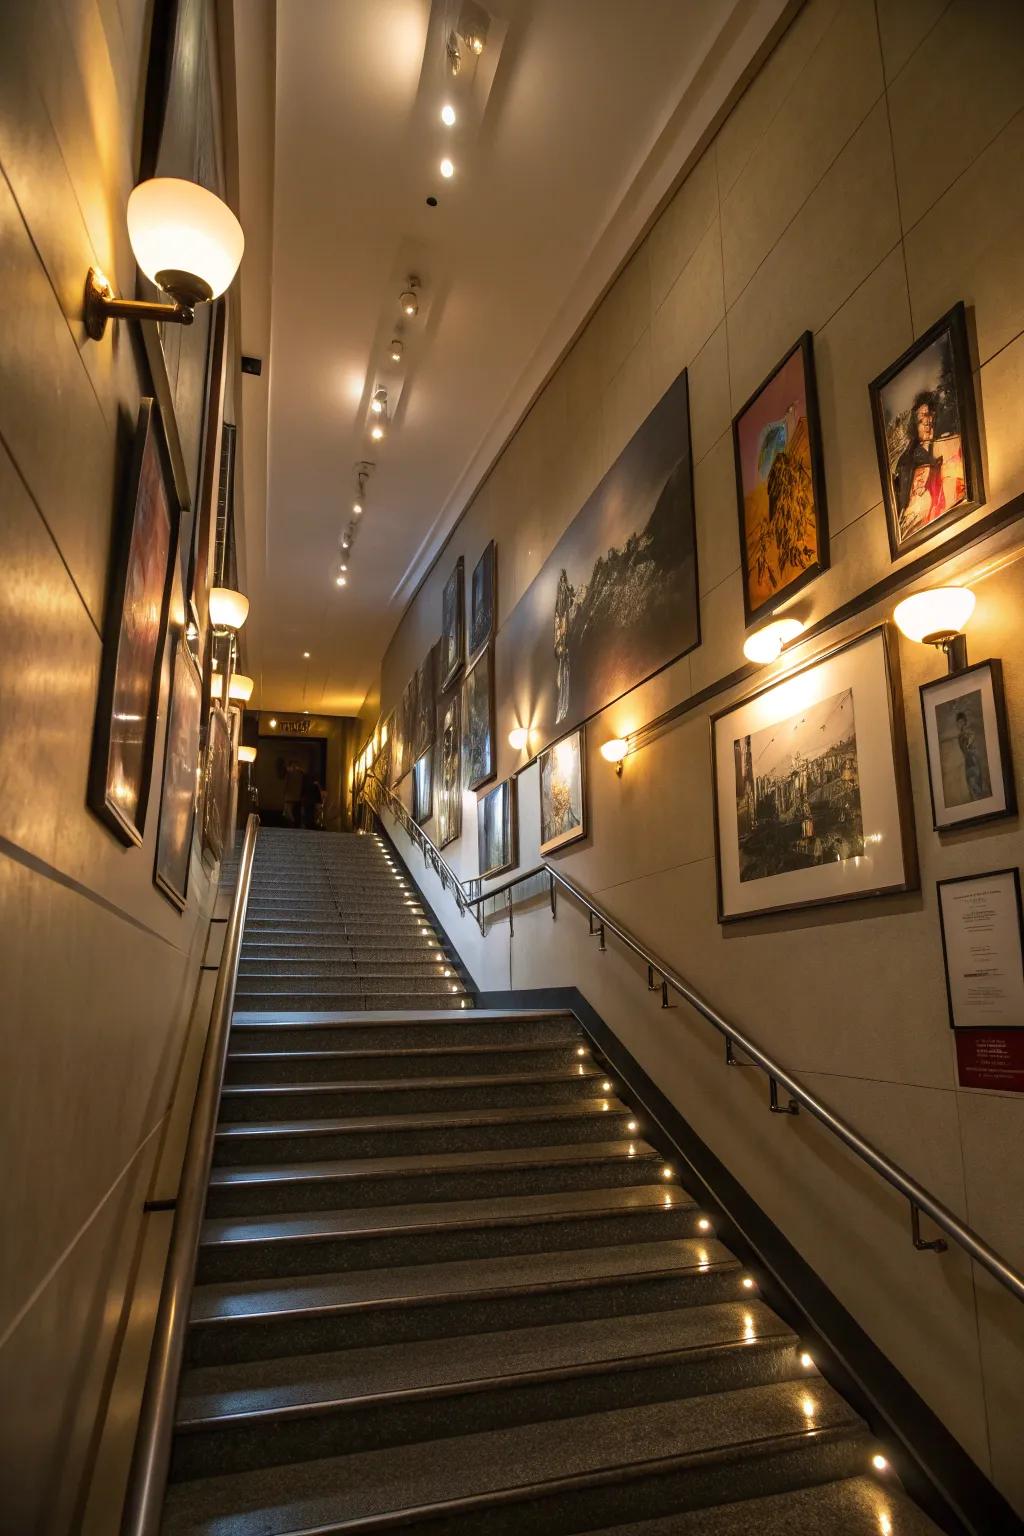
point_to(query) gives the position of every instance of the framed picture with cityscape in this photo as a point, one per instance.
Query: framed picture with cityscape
(453, 625)
(448, 806)
(497, 830)
(481, 601)
(970, 772)
(926, 435)
(780, 483)
(180, 781)
(423, 788)
(563, 792)
(478, 721)
(812, 786)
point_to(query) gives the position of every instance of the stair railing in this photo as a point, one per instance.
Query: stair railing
(147, 1478)
(431, 853)
(662, 977)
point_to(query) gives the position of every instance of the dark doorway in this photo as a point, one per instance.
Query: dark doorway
(284, 771)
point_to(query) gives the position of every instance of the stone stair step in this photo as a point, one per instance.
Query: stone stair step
(276, 1101)
(428, 1061)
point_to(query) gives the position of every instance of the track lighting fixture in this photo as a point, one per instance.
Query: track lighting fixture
(448, 115)
(379, 403)
(447, 169)
(408, 300)
(396, 350)
(377, 432)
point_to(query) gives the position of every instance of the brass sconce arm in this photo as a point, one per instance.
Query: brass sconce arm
(101, 305)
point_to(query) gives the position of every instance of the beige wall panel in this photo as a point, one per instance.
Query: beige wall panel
(1002, 381)
(718, 533)
(721, 631)
(692, 309)
(830, 98)
(903, 26)
(628, 400)
(710, 400)
(681, 226)
(973, 56)
(623, 314)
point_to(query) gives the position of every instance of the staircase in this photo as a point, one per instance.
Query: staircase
(448, 1284)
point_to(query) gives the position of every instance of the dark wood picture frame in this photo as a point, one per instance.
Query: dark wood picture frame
(753, 611)
(482, 608)
(216, 784)
(184, 717)
(482, 668)
(453, 625)
(552, 845)
(901, 779)
(146, 548)
(994, 667)
(984, 874)
(507, 789)
(953, 322)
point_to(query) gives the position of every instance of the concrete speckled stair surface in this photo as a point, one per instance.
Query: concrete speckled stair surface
(447, 1280)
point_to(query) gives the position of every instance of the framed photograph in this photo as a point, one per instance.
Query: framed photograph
(448, 809)
(453, 625)
(812, 785)
(478, 721)
(970, 772)
(216, 784)
(926, 435)
(497, 830)
(426, 689)
(140, 591)
(181, 778)
(780, 484)
(423, 788)
(982, 927)
(481, 601)
(563, 792)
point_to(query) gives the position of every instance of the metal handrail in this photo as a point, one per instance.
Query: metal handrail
(430, 851)
(919, 1198)
(147, 1479)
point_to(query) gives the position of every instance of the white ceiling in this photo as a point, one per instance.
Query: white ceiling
(595, 106)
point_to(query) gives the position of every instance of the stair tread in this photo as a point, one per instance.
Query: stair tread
(433, 1119)
(483, 1048)
(499, 1211)
(400, 1084)
(305, 1496)
(307, 1017)
(359, 1167)
(263, 1386)
(421, 1282)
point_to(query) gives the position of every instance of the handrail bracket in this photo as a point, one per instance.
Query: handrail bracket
(937, 1244)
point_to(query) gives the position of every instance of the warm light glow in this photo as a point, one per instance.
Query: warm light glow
(273, 724)
(228, 609)
(879, 1463)
(409, 302)
(448, 115)
(615, 750)
(241, 687)
(396, 351)
(704, 1225)
(931, 617)
(357, 508)
(216, 686)
(807, 1404)
(518, 738)
(447, 169)
(247, 754)
(341, 581)
(884, 1523)
(379, 402)
(179, 227)
(806, 1361)
(766, 644)
(606, 1087)
(632, 1126)
(666, 1172)
(581, 1050)
(748, 1284)
(377, 432)
(305, 655)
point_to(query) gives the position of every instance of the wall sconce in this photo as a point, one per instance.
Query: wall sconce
(217, 686)
(518, 738)
(247, 754)
(240, 688)
(185, 240)
(615, 751)
(938, 618)
(766, 643)
(228, 609)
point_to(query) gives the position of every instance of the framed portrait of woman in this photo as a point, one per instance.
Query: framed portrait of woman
(970, 773)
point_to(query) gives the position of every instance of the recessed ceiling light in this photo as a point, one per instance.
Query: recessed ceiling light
(378, 405)
(342, 581)
(305, 655)
(408, 300)
(357, 507)
(396, 351)
(448, 115)
(377, 432)
(447, 169)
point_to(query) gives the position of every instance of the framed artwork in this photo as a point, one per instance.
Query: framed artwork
(982, 928)
(926, 435)
(424, 727)
(481, 601)
(563, 792)
(970, 772)
(780, 484)
(497, 830)
(401, 736)
(478, 721)
(140, 590)
(453, 625)
(448, 809)
(216, 784)
(812, 787)
(181, 778)
(423, 788)
(616, 600)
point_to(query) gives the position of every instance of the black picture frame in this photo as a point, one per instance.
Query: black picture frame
(179, 789)
(138, 604)
(423, 787)
(478, 754)
(501, 802)
(453, 625)
(448, 791)
(901, 785)
(549, 843)
(954, 325)
(752, 611)
(996, 774)
(482, 592)
(986, 874)
(216, 784)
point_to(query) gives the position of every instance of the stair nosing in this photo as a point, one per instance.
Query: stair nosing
(421, 1120)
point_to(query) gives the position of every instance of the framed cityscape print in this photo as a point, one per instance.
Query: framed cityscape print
(970, 772)
(481, 601)
(926, 435)
(423, 788)
(478, 721)
(563, 792)
(812, 786)
(453, 625)
(126, 710)
(181, 778)
(216, 784)
(497, 830)
(448, 806)
(780, 483)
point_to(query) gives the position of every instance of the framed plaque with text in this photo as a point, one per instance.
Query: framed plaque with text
(980, 919)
